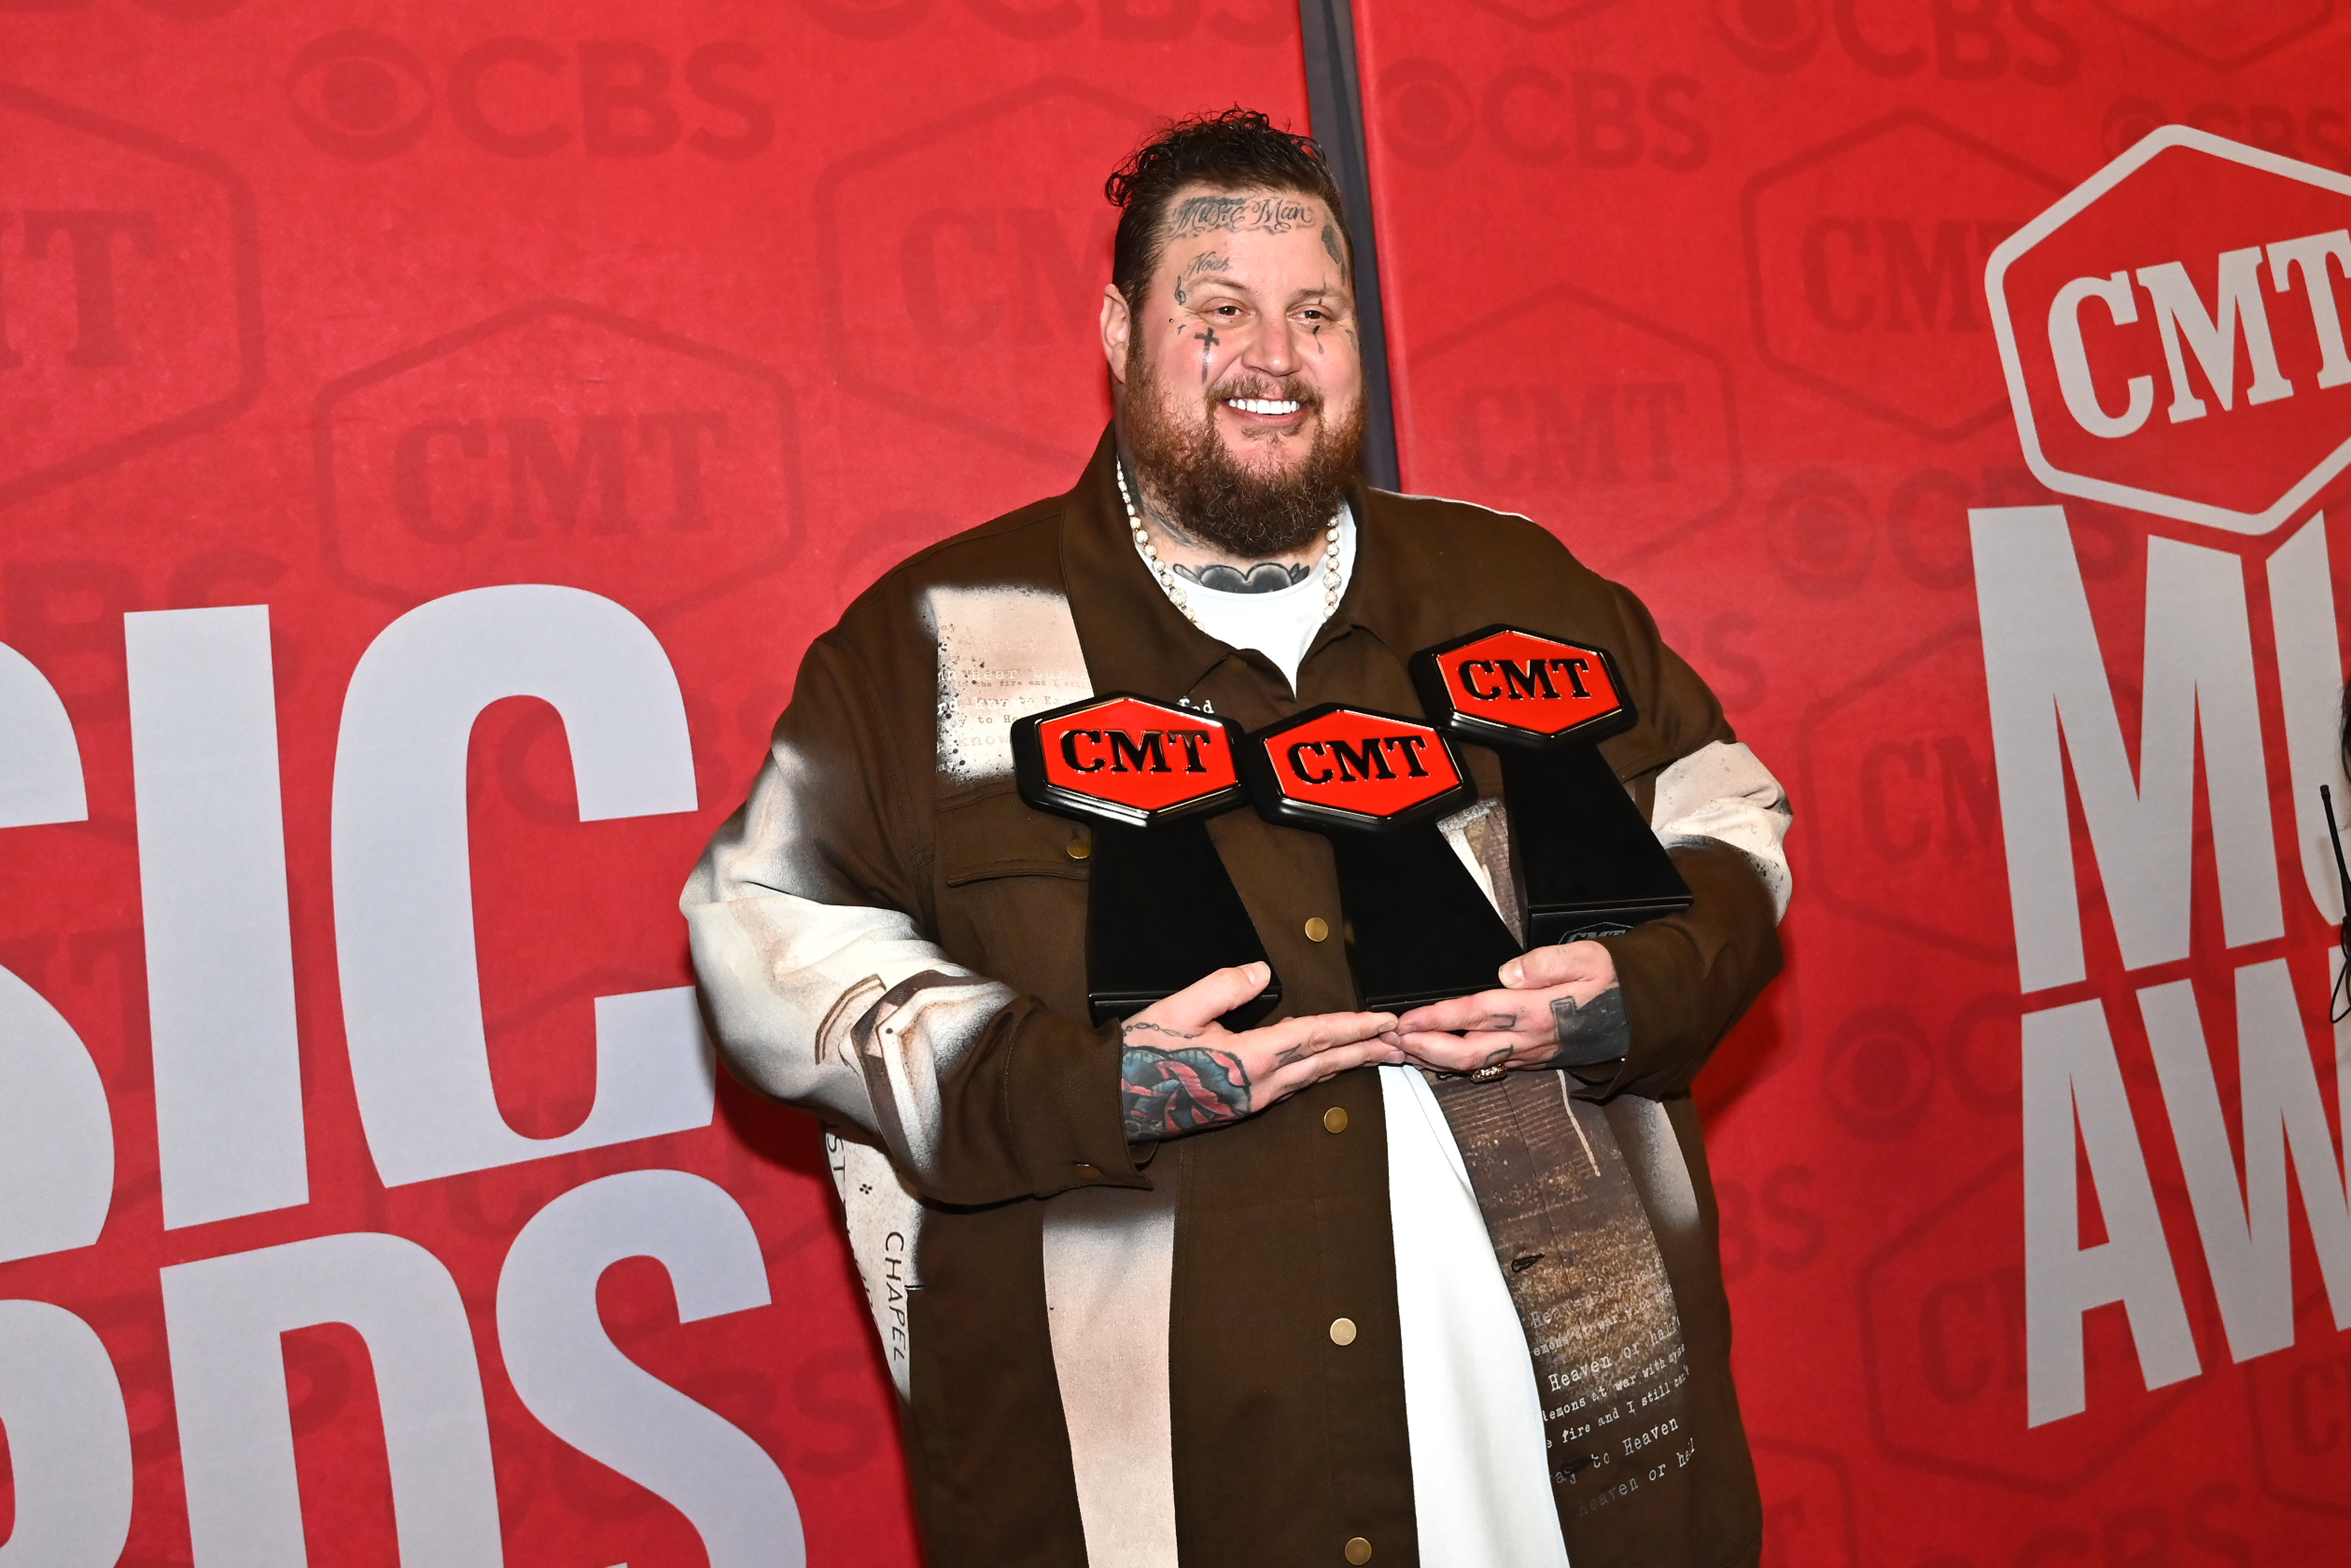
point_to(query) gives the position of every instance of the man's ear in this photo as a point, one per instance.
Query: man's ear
(1117, 327)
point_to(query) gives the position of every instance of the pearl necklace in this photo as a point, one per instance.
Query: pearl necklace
(1173, 586)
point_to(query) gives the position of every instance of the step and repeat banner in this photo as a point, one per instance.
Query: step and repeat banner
(430, 436)
(1977, 437)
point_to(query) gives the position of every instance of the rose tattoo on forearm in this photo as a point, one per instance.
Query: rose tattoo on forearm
(1167, 1092)
(1593, 1032)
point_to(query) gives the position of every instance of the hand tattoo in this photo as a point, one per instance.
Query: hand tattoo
(1265, 577)
(1167, 1093)
(1208, 214)
(1129, 1030)
(1594, 1032)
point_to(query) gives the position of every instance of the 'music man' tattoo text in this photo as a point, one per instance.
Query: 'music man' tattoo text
(1208, 214)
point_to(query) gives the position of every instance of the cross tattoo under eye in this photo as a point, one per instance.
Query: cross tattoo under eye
(1209, 341)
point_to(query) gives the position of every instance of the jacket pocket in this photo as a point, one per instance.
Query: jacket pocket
(1001, 835)
(1012, 898)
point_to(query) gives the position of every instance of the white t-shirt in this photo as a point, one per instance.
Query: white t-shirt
(1480, 1477)
(1279, 625)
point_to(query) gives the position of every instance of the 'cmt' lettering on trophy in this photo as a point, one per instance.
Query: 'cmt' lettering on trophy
(1123, 751)
(1520, 681)
(1337, 761)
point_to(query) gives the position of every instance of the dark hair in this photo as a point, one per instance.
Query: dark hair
(1239, 150)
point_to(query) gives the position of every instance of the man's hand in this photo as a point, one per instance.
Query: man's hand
(1185, 1071)
(1558, 1007)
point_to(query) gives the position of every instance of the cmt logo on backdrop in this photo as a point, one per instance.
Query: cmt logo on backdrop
(2195, 371)
(130, 310)
(991, 288)
(2171, 334)
(363, 96)
(178, 10)
(2223, 33)
(1862, 260)
(559, 443)
(1627, 423)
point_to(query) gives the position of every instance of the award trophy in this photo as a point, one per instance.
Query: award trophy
(1147, 777)
(1419, 928)
(1587, 863)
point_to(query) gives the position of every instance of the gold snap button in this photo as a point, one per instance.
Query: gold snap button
(1088, 1173)
(1318, 929)
(1079, 849)
(1342, 1331)
(1334, 1120)
(1359, 1550)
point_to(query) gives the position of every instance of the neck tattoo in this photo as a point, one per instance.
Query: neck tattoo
(1173, 586)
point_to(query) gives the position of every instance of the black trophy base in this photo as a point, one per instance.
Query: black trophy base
(1420, 929)
(1587, 864)
(1550, 927)
(1160, 914)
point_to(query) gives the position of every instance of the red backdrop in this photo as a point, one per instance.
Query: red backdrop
(714, 310)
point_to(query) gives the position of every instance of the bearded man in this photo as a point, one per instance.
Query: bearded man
(1370, 1286)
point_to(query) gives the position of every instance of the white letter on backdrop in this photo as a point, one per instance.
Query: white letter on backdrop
(2043, 673)
(2310, 254)
(403, 887)
(2244, 1228)
(2310, 688)
(223, 1317)
(2070, 1072)
(40, 768)
(69, 1440)
(212, 884)
(601, 1403)
(2213, 337)
(2073, 377)
(56, 1140)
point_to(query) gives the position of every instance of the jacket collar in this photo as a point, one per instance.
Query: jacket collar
(1137, 640)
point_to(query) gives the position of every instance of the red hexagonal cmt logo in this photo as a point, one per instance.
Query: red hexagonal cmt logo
(2223, 33)
(1127, 759)
(929, 279)
(2173, 332)
(1616, 431)
(1338, 767)
(1540, 16)
(1942, 1343)
(559, 442)
(130, 295)
(1505, 686)
(1861, 257)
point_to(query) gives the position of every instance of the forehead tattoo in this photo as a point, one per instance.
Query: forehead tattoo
(1234, 215)
(1207, 261)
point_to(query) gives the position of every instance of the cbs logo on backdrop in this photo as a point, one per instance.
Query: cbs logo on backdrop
(364, 96)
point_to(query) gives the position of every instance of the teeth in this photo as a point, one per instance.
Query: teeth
(1262, 405)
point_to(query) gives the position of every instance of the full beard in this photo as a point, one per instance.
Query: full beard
(1242, 512)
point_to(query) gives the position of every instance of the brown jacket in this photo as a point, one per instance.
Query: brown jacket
(1130, 1346)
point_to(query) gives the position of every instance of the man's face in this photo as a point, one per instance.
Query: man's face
(1243, 354)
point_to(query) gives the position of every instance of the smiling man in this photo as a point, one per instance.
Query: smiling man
(1344, 1287)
